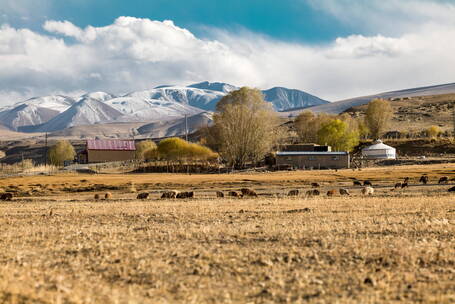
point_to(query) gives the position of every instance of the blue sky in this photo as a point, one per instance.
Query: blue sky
(335, 49)
(295, 20)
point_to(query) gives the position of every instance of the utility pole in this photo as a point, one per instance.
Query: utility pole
(45, 150)
(186, 127)
(453, 119)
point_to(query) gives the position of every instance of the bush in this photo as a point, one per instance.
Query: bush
(61, 152)
(143, 147)
(179, 149)
(433, 131)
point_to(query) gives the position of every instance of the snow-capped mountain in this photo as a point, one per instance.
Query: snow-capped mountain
(203, 99)
(87, 111)
(285, 99)
(214, 86)
(143, 109)
(34, 111)
(161, 104)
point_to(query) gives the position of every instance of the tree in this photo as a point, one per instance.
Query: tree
(378, 115)
(307, 125)
(246, 125)
(61, 152)
(336, 134)
(143, 147)
(433, 131)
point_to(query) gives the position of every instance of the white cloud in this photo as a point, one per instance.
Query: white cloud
(133, 54)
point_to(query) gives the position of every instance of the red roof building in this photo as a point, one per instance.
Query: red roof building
(107, 150)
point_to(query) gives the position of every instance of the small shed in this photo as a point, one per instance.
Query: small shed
(379, 150)
(99, 151)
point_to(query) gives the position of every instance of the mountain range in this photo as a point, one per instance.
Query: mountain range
(158, 105)
(161, 111)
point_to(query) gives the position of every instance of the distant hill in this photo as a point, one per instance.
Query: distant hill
(341, 106)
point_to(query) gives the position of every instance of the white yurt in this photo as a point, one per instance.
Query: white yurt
(379, 150)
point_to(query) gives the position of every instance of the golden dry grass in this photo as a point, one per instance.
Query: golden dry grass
(389, 248)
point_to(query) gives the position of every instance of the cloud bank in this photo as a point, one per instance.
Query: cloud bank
(133, 54)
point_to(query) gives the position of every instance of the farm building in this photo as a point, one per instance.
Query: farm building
(379, 150)
(312, 157)
(100, 151)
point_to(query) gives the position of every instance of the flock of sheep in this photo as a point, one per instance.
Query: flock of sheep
(245, 192)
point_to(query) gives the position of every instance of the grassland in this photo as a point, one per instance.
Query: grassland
(59, 246)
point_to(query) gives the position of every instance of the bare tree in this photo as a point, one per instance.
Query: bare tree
(246, 126)
(378, 116)
(307, 125)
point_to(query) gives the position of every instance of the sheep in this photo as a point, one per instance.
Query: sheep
(107, 196)
(219, 194)
(248, 192)
(344, 191)
(331, 192)
(367, 183)
(6, 196)
(97, 197)
(170, 194)
(315, 185)
(368, 191)
(357, 183)
(398, 185)
(452, 189)
(406, 180)
(443, 180)
(313, 192)
(183, 195)
(404, 185)
(424, 179)
(293, 193)
(234, 194)
(143, 196)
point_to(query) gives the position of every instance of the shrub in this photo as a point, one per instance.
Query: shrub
(433, 131)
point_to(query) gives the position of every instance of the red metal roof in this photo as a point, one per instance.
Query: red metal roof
(113, 145)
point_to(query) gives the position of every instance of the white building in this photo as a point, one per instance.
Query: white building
(379, 151)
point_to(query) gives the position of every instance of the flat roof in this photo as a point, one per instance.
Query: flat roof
(290, 153)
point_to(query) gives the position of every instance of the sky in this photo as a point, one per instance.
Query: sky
(334, 49)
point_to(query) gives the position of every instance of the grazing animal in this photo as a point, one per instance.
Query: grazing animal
(443, 180)
(219, 194)
(6, 196)
(313, 192)
(315, 185)
(182, 195)
(97, 197)
(452, 189)
(143, 196)
(248, 192)
(398, 185)
(424, 179)
(357, 183)
(169, 194)
(368, 191)
(107, 196)
(344, 191)
(293, 193)
(367, 183)
(234, 194)
(406, 180)
(404, 185)
(331, 192)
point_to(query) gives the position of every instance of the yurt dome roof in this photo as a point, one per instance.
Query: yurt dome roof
(378, 145)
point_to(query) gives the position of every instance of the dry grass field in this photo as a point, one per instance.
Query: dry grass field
(61, 246)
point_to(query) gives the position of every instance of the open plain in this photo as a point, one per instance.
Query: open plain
(59, 245)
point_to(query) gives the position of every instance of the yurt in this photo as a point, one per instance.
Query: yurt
(379, 150)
